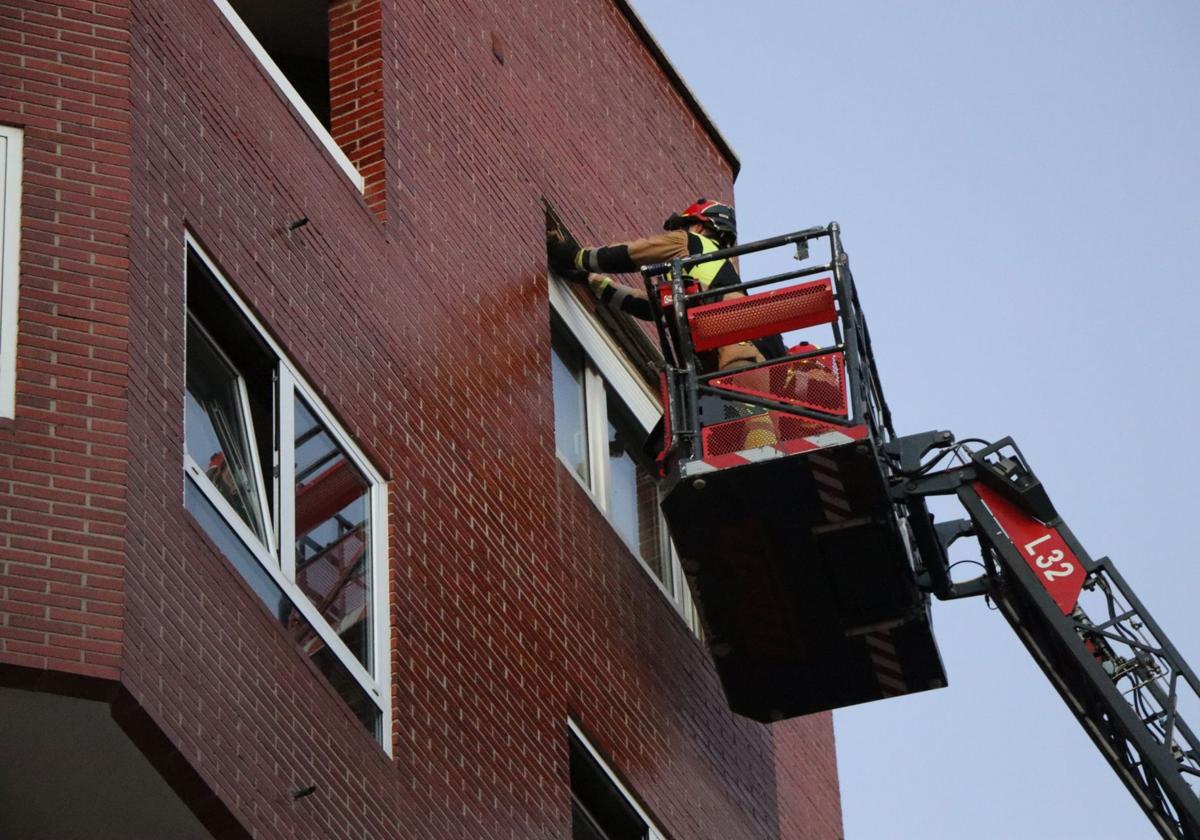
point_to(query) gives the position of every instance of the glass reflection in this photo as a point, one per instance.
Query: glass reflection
(633, 494)
(216, 428)
(570, 417)
(332, 535)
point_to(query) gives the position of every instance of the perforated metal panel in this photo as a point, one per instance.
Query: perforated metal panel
(766, 313)
(762, 428)
(818, 383)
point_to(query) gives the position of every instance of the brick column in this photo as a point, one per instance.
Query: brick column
(356, 91)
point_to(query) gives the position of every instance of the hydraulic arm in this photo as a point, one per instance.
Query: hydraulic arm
(1108, 658)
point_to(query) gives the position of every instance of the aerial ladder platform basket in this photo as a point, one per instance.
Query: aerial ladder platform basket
(777, 495)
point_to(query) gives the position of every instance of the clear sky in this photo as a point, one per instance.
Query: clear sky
(1018, 186)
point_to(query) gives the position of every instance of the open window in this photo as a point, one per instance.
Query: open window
(603, 414)
(326, 58)
(283, 491)
(10, 241)
(601, 807)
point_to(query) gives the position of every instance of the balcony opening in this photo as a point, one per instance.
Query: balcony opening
(295, 33)
(327, 59)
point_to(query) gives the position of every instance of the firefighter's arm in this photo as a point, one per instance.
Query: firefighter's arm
(624, 298)
(622, 258)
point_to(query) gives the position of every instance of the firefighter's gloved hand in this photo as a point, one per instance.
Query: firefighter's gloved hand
(562, 253)
(599, 283)
(569, 239)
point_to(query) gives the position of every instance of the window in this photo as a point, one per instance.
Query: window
(291, 40)
(570, 372)
(10, 242)
(632, 490)
(601, 807)
(284, 493)
(602, 416)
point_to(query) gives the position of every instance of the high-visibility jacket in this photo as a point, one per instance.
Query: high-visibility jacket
(713, 274)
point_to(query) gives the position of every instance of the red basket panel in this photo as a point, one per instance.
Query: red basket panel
(764, 428)
(818, 382)
(747, 318)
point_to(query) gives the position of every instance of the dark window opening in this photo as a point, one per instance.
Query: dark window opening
(295, 33)
(599, 811)
(212, 314)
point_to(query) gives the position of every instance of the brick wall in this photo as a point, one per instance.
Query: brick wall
(64, 78)
(356, 90)
(420, 314)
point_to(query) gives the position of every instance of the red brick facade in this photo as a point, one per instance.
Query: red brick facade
(356, 91)
(419, 311)
(64, 78)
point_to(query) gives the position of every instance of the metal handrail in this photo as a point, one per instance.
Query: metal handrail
(865, 400)
(655, 269)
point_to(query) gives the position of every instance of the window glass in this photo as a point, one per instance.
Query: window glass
(282, 608)
(216, 431)
(328, 663)
(602, 414)
(255, 473)
(632, 492)
(235, 550)
(332, 545)
(570, 407)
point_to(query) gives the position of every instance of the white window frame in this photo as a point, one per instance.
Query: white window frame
(291, 94)
(604, 361)
(653, 832)
(280, 563)
(11, 144)
(261, 491)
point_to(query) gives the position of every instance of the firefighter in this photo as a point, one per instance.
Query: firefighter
(701, 228)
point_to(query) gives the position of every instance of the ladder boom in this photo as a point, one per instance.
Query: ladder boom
(1110, 661)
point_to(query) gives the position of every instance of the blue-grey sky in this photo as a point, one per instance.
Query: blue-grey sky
(1019, 191)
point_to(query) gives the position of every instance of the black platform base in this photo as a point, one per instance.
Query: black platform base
(803, 578)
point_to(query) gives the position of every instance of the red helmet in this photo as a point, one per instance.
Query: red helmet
(715, 216)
